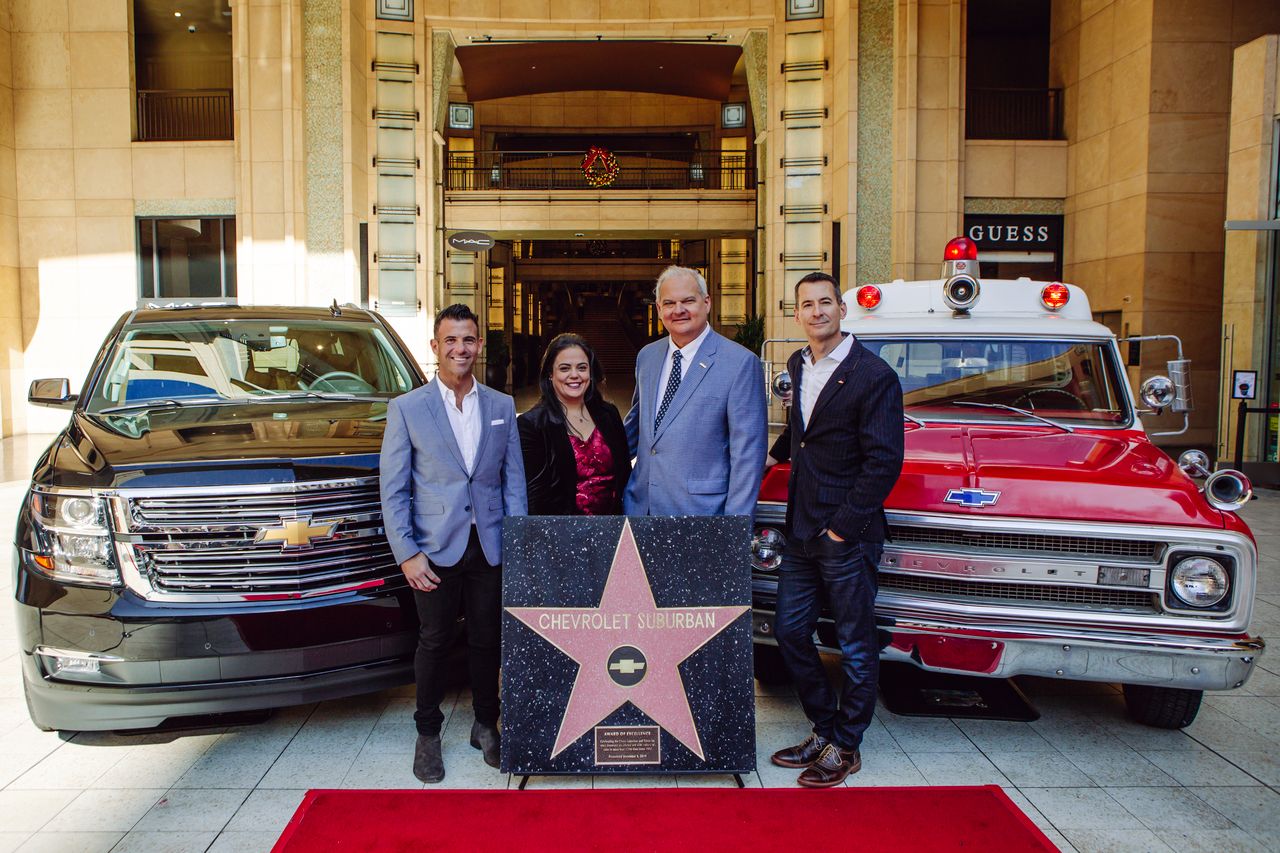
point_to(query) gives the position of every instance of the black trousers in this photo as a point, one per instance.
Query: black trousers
(473, 587)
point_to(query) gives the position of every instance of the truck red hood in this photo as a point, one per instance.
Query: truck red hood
(1041, 472)
(1114, 476)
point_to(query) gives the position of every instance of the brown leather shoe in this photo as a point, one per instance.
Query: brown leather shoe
(831, 767)
(800, 755)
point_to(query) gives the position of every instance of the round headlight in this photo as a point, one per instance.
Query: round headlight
(1200, 581)
(78, 512)
(766, 549)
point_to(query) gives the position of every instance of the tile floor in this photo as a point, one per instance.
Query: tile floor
(1090, 778)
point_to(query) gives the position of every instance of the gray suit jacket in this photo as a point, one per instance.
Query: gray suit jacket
(707, 457)
(427, 494)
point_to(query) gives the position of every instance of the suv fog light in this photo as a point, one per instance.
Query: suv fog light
(63, 662)
(766, 549)
(1200, 581)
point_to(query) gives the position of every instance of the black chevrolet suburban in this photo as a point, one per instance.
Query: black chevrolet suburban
(205, 536)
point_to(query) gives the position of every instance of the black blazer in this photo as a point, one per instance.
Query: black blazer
(845, 461)
(549, 465)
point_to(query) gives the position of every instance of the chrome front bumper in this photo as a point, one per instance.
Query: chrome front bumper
(1161, 660)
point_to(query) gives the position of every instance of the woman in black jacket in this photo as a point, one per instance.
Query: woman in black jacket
(575, 450)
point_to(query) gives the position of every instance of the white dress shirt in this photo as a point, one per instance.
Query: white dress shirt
(465, 421)
(814, 375)
(687, 352)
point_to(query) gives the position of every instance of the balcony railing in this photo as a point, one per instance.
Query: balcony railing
(562, 170)
(184, 114)
(1013, 114)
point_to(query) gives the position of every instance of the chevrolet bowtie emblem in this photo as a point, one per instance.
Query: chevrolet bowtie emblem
(627, 666)
(971, 497)
(296, 532)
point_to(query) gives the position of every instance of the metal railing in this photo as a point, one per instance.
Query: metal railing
(1013, 114)
(184, 114)
(562, 170)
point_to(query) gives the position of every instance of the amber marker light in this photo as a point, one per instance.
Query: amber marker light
(868, 297)
(960, 249)
(1054, 295)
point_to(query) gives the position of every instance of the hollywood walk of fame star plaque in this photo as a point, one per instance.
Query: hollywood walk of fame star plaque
(626, 645)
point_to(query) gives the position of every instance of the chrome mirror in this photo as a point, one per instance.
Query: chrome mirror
(1158, 392)
(781, 386)
(1194, 463)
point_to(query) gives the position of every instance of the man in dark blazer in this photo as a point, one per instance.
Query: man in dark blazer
(451, 469)
(844, 440)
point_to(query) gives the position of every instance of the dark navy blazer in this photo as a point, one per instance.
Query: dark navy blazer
(845, 461)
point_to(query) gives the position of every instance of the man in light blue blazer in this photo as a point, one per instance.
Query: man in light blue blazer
(451, 469)
(698, 423)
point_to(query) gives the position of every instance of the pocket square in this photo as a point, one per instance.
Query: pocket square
(498, 422)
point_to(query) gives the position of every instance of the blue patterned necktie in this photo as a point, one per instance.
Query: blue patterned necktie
(673, 385)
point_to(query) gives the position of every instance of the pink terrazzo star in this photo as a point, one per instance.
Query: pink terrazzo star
(628, 616)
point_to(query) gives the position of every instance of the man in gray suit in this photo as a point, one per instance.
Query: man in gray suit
(698, 422)
(451, 470)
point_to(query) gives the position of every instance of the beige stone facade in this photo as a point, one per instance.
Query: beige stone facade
(858, 127)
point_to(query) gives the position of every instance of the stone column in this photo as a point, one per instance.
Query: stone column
(11, 341)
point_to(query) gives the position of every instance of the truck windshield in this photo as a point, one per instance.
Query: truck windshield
(230, 360)
(1077, 382)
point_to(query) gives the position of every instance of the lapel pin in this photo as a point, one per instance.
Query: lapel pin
(839, 381)
(702, 364)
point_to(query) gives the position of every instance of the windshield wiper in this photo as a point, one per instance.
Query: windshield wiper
(1014, 409)
(164, 403)
(320, 395)
(913, 420)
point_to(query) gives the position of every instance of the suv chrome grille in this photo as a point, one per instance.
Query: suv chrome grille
(1041, 544)
(204, 543)
(1143, 601)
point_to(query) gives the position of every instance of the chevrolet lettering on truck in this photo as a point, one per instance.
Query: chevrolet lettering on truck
(205, 535)
(1036, 529)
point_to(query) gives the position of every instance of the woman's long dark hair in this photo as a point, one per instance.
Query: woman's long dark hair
(559, 344)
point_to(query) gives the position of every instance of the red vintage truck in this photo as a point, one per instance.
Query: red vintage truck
(1036, 528)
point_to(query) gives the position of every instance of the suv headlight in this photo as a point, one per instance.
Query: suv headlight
(766, 549)
(1200, 581)
(74, 524)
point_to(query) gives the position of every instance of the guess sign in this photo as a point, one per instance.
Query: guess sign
(1021, 233)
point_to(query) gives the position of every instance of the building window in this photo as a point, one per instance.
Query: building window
(187, 258)
(183, 70)
(1007, 93)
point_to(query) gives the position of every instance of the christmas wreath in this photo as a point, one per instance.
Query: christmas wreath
(599, 167)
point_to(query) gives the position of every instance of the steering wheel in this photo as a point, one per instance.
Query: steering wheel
(339, 374)
(1029, 397)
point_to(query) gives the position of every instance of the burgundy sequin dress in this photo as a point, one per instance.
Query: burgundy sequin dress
(595, 474)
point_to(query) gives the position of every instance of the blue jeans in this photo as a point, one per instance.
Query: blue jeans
(847, 571)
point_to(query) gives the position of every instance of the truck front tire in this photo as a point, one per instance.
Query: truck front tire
(1162, 707)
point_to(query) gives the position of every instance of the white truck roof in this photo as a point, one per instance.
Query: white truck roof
(1005, 307)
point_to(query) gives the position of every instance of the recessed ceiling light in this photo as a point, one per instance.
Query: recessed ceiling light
(177, 14)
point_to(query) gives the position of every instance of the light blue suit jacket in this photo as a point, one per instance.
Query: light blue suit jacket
(707, 457)
(427, 493)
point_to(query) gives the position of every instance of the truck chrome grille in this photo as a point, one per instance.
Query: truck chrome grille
(1040, 544)
(204, 543)
(977, 592)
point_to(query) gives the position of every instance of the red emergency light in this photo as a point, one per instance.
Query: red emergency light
(960, 249)
(1054, 295)
(868, 297)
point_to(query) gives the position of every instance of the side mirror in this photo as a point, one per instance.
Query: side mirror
(781, 386)
(1194, 463)
(1158, 392)
(55, 393)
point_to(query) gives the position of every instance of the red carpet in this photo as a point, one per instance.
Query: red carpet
(705, 820)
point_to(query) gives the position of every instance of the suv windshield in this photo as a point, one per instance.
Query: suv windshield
(1070, 381)
(229, 360)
